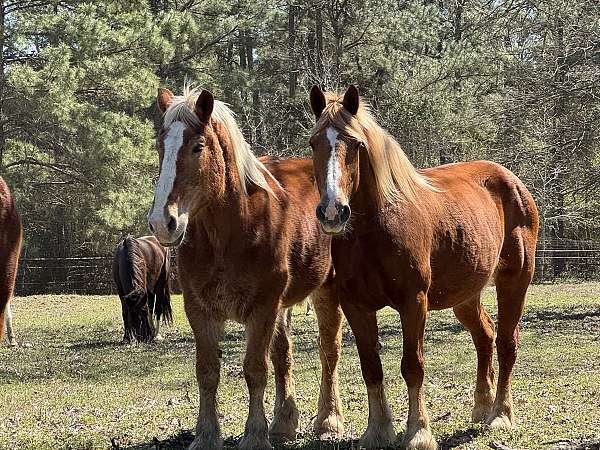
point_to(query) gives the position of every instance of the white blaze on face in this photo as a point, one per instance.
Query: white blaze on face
(173, 143)
(334, 173)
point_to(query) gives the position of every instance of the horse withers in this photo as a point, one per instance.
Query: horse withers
(249, 249)
(11, 235)
(420, 241)
(141, 273)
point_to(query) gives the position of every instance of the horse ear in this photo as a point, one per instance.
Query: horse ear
(351, 100)
(204, 106)
(164, 99)
(317, 101)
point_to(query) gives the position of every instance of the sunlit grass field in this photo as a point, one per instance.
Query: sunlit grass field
(73, 385)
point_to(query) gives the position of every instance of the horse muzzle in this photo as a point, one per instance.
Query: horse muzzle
(333, 218)
(168, 228)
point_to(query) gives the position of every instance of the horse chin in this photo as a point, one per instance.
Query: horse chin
(174, 243)
(333, 230)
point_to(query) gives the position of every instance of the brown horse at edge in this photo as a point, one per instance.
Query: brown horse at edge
(249, 249)
(420, 241)
(11, 235)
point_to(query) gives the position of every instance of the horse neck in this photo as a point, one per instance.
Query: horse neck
(226, 210)
(366, 198)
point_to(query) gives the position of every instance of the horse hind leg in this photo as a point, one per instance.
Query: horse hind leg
(475, 319)
(7, 284)
(329, 422)
(10, 332)
(285, 413)
(512, 280)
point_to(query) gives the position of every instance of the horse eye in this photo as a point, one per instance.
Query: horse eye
(197, 148)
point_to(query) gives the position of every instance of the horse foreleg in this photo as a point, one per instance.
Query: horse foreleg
(380, 430)
(285, 414)
(259, 331)
(207, 333)
(329, 421)
(413, 315)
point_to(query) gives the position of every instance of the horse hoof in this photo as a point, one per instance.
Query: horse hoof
(378, 435)
(206, 443)
(284, 425)
(421, 439)
(480, 413)
(252, 442)
(500, 422)
(331, 427)
(13, 343)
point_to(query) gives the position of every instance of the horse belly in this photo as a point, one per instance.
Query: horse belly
(465, 263)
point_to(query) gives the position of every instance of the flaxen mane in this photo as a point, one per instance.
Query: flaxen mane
(395, 176)
(248, 166)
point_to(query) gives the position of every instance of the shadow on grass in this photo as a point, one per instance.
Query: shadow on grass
(459, 438)
(184, 438)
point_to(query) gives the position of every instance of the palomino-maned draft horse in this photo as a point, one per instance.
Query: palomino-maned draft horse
(141, 270)
(11, 235)
(250, 248)
(419, 241)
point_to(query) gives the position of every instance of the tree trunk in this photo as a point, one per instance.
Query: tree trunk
(292, 80)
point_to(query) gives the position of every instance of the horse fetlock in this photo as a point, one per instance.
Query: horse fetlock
(379, 434)
(329, 426)
(482, 407)
(419, 439)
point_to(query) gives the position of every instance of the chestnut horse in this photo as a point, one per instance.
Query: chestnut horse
(250, 248)
(141, 270)
(420, 241)
(11, 235)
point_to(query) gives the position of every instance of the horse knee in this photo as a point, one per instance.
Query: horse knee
(413, 370)
(507, 349)
(255, 373)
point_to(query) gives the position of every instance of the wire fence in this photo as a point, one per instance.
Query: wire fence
(85, 275)
(555, 261)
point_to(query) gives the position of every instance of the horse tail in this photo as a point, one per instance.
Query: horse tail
(132, 275)
(163, 309)
(132, 270)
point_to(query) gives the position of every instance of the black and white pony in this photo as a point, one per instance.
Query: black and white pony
(141, 272)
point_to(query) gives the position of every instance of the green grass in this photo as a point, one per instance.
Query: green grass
(73, 385)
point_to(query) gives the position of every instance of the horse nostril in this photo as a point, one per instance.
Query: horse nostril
(172, 225)
(320, 213)
(345, 213)
(151, 227)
